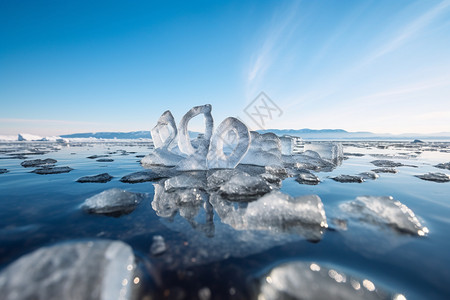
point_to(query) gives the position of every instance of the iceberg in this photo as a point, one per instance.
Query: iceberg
(94, 269)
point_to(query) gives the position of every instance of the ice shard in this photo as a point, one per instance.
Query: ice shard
(216, 156)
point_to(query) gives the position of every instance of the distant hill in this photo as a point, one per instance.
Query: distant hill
(306, 133)
(110, 135)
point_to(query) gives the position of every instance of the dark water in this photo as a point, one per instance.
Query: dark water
(203, 252)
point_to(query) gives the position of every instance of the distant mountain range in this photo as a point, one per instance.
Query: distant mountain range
(305, 133)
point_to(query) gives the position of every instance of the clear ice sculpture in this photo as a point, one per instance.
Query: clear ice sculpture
(174, 148)
(217, 159)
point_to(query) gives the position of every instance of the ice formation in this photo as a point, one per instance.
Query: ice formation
(243, 187)
(158, 246)
(265, 149)
(385, 211)
(309, 280)
(52, 170)
(443, 166)
(113, 202)
(348, 178)
(385, 170)
(332, 152)
(38, 163)
(142, 176)
(101, 178)
(216, 156)
(98, 269)
(277, 212)
(306, 177)
(436, 177)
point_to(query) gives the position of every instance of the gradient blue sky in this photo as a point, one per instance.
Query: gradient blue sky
(81, 66)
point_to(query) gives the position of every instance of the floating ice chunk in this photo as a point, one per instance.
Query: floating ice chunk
(142, 176)
(265, 149)
(348, 178)
(184, 181)
(161, 157)
(158, 246)
(369, 175)
(105, 160)
(309, 160)
(98, 269)
(436, 177)
(52, 170)
(306, 177)
(386, 163)
(220, 177)
(309, 280)
(277, 170)
(332, 152)
(216, 156)
(101, 178)
(276, 212)
(443, 166)
(38, 163)
(3, 171)
(385, 211)
(385, 170)
(165, 131)
(97, 156)
(244, 188)
(287, 145)
(113, 202)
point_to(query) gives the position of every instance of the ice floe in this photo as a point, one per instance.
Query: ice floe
(348, 178)
(385, 170)
(436, 177)
(385, 211)
(101, 178)
(310, 280)
(443, 166)
(113, 202)
(306, 177)
(52, 170)
(97, 269)
(38, 163)
(142, 176)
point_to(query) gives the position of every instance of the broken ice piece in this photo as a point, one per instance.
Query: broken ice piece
(184, 181)
(348, 178)
(219, 177)
(101, 178)
(436, 177)
(369, 175)
(244, 188)
(385, 211)
(113, 202)
(105, 160)
(97, 156)
(306, 177)
(386, 163)
(38, 163)
(385, 170)
(3, 171)
(97, 269)
(161, 157)
(158, 246)
(142, 176)
(52, 170)
(443, 166)
(310, 280)
(275, 212)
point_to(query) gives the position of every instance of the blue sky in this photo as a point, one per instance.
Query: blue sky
(81, 66)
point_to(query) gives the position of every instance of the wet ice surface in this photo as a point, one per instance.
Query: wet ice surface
(102, 178)
(436, 177)
(194, 242)
(113, 201)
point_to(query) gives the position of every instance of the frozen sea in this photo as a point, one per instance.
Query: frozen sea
(210, 249)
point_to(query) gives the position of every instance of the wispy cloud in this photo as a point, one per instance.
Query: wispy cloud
(409, 31)
(281, 28)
